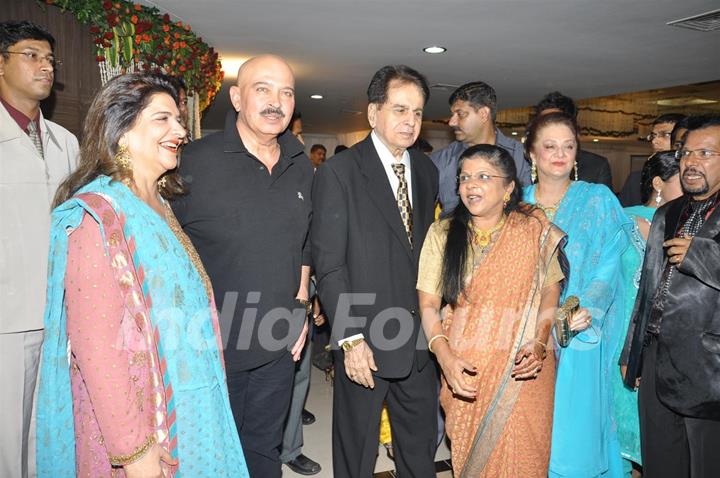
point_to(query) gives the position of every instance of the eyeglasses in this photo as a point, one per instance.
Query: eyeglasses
(704, 154)
(661, 134)
(35, 57)
(482, 177)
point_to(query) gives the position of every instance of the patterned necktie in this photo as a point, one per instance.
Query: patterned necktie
(403, 199)
(34, 135)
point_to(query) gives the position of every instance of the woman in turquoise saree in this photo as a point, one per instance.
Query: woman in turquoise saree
(584, 438)
(660, 183)
(132, 382)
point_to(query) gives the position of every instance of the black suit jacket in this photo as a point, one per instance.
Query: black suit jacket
(688, 353)
(359, 246)
(593, 168)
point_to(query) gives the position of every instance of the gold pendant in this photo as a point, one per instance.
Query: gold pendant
(482, 238)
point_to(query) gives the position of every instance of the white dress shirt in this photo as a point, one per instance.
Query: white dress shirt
(387, 160)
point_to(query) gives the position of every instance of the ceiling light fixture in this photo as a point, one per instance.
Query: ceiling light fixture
(435, 49)
(595, 140)
(514, 133)
(316, 97)
(685, 101)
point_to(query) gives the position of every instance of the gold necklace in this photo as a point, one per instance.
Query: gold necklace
(483, 236)
(551, 210)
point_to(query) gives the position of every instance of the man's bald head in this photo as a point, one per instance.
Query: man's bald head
(262, 62)
(264, 96)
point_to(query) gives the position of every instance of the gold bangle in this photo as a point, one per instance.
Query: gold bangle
(438, 336)
(122, 460)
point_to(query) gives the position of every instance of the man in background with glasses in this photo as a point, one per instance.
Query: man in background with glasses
(35, 155)
(660, 140)
(673, 343)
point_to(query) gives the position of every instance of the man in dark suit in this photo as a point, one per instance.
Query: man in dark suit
(591, 167)
(372, 207)
(674, 338)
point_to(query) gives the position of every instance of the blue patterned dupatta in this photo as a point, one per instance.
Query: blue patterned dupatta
(202, 431)
(625, 400)
(598, 233)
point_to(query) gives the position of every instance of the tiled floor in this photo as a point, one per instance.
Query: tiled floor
(318, 435)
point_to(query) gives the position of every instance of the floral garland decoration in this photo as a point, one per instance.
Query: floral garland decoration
(132, 37)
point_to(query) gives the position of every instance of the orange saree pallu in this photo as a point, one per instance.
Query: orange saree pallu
(506, 430)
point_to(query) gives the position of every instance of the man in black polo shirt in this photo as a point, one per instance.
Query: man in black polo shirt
(248, 214)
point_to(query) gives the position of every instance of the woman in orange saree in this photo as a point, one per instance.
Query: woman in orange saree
(496, 263)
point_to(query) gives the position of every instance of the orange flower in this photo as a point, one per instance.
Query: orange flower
(182, 68)
(183, 44)
(177, 36)
(138, 8)
(166, 28)
(146, 37)
(134, 19)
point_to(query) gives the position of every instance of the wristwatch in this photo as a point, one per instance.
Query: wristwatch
(307, 304)
(351, 344)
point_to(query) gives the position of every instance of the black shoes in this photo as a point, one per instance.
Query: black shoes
(304, 465)
(307, 417)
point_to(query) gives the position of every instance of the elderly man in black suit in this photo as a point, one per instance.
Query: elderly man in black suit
(372, 207)
(674, 337)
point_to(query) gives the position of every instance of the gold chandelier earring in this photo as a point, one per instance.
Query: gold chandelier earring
(122, 159)
(506, 200)
(575, 168)
(533, 171)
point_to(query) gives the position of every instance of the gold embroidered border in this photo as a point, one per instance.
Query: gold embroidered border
(122, 460)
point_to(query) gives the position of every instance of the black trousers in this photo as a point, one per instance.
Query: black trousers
(673, 445)
(412, 406)
(260, 400)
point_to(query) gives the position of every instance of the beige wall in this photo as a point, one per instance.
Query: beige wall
(618, 154)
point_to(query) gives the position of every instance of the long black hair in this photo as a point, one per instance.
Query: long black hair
(663, 164)
(459, 231)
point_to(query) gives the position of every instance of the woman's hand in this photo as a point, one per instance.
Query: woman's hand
(456, 370)
(581, 320)
(149, 466)
(529, 361)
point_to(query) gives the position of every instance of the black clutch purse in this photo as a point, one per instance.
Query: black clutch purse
(563, 334)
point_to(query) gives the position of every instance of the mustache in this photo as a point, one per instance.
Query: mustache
(271, 110)
(692, 170)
